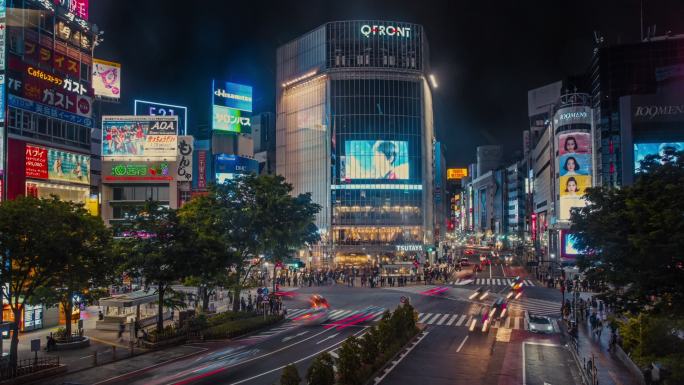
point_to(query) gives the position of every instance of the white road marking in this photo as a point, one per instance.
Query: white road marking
(451, 321)
(327, 338)
(517, 323)
(441, 321)
(461, 320)
(462, 343)
(433, 319)
(423, 317)
(389, 370)
(295, 336)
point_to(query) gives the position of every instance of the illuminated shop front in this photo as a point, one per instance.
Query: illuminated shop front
(354, 128)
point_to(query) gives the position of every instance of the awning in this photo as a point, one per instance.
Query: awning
(129, 299)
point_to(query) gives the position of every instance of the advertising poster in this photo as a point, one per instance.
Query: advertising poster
(456, 173)
(575, 170)
(201, 170)
(106, 79)
(379, 159)
(57, 165)
(231, 107)
(139, 137)
(68, 166)
(227, 166)
(3, 27)
(642, 150)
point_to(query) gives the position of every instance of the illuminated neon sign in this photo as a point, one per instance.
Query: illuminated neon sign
(385, 30)
(67, 84)
(122, 171)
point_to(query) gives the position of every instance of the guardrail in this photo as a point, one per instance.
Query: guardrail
(27, 366)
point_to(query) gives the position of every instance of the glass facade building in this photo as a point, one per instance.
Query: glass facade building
(354, 127)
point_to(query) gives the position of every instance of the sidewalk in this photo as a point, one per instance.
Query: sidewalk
(610, 369)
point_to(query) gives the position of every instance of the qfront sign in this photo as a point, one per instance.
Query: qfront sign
(385, 30)
(409, 247)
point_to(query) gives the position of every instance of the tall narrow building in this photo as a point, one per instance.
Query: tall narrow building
(354, 127)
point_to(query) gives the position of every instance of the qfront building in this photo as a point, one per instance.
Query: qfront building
(354, 127)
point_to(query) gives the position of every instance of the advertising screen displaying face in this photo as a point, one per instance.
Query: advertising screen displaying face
(642, 150)
(379, 159)
(575, 170)
(139, 137)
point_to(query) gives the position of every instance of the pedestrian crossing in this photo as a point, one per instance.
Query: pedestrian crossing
(464, 320)
(268, 333)
(490, 282)
(536, 306)
(369, 314)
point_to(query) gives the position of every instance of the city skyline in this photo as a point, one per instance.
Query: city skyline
(472, 106)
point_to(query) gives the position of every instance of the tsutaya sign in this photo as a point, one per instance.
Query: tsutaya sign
(385, 30)
(409, 247)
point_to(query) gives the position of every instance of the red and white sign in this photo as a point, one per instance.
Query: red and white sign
(202, 170)
(36, 162)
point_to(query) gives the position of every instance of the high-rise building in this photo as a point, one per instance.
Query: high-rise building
(46, 101)
(263, 134)
(354, 127)
(622, 70)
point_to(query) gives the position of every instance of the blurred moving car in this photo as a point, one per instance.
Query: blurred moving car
(469, 252)
(318, 314)
(499, 309)
(464, 261)
(540, 324)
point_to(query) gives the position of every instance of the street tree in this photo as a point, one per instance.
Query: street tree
(35, 235)
(632, 238)
(321, 371)
(201, 217)
(157, 248)
(89, 263)
(287, 222)
(290, 375)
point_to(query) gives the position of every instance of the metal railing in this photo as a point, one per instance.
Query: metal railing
(27, 366)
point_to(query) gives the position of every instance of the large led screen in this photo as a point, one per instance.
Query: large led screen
(231, 107)
(642, 150)
(139, 137)
(575, 169)
(570, 244)
(375, 159)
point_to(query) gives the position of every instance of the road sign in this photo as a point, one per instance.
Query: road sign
(35, 345)
(403, 299)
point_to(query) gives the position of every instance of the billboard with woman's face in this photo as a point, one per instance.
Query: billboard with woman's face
(574, 169)
(375, 159)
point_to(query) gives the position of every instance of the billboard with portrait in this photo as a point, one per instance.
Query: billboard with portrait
(574, 169)
(375, 159)
(106, 79)
(642, 150)
(139, 137)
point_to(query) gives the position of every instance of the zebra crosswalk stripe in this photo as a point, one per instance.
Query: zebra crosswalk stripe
(452, 319)
(341, 314)
(423, 317)
(461, 320)
(516, 323)
(508, 323)
(441, 321)
(296, 312)
(433, 319)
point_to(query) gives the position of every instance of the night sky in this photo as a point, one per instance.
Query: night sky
(486, 55)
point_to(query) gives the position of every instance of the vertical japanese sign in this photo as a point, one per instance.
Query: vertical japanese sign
(184, 157)
(201, 170)
(36, 162)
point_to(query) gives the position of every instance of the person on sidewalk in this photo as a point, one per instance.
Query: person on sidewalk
(599, 329)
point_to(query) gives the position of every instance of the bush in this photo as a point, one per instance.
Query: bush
(290, 376)
(234, 328)
(321, 371)
(218, 319)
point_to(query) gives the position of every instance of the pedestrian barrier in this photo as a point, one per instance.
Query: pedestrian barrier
(28, 366)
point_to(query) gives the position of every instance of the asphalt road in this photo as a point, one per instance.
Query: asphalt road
(449, 352)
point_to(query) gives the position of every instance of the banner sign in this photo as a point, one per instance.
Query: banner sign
(57, 165)
(130, 137)
(140, 172)
(456, 173)
(184, 169)
(43, 92)
(106, 79)
(231, 107)
(28, 105)
(201, 170)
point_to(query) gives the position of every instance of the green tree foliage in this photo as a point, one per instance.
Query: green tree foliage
(321, 371)
(370, 347)
(40, 241)
(253, 215)
(89, 264)
(349, 363)
(633, 238)
(159, 251)
(290, 376)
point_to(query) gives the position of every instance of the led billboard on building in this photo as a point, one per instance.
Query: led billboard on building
(106, 79)
(139, 137)
(227, 166)
(574, 168)
(375, 159)
(56, 165)
(144, 107)
(642, 150)
(231, 107)
(456, 173)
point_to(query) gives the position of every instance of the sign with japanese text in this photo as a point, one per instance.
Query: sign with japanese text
(231, 107)
(158, 171)
(139, 137)
(57, 165)
(456, 173)
(184, 166)
(43, 92)
(29, 105)
(36, 162)
(107, 79)
(77, 7)
(201, 170)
